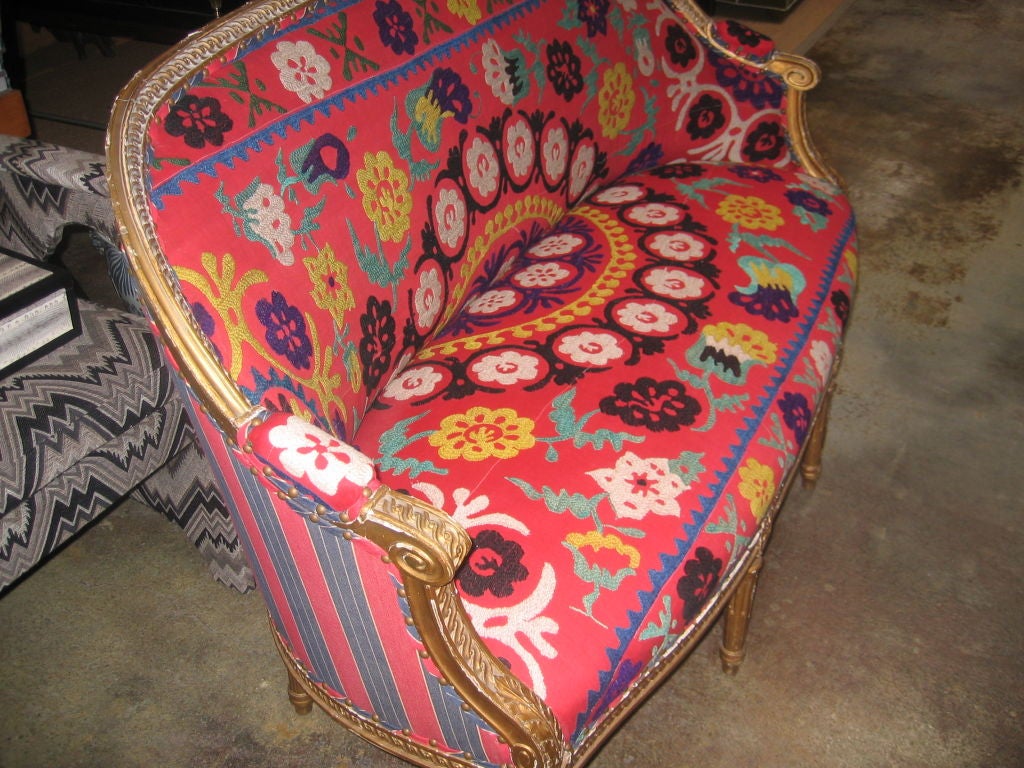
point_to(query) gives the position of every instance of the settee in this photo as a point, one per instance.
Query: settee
(507, 326)
(98, 418)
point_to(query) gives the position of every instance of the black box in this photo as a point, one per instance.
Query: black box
(38, 311)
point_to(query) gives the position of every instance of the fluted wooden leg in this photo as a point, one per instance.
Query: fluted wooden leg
(737, 619)
(297, 695)
(810, 466)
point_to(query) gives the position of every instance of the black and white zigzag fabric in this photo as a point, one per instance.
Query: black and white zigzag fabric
(82, 427)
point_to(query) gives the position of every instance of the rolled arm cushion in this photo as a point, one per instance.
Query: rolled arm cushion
(567, 271)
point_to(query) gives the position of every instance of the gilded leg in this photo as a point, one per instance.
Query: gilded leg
(810, 465)
(737, 619)
(297, 695)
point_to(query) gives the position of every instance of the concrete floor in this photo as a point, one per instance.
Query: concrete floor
(888, 629)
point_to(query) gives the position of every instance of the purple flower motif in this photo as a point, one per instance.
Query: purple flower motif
(563, 70)
(705, 118)
(772, 302)
(766, 142)
(285, 330)
(649, 157)
(207, 324)
(593, 13)
(327, 157)
(198, 120)
(494, 565)
(660, 406)
(750, 85)
(394, 25)
(378, 340)
(751, 173)
(450, 93)
(698, 582)
(809, 202)
(796, 414)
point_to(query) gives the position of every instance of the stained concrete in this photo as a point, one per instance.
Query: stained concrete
(888, 625)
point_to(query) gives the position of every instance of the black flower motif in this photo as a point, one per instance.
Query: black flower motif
(679, 171)
(705, 118)
(660, 406)
(285, 329)
(494, 565)
(198, 120)
(698, 582)
(681, 50)
(796, 414)
(563, 70)
(754, 173)
(377, 342)
(841, 304)
(766, 142)
(394, 24)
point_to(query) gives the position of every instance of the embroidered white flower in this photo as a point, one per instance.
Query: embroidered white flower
(266, 220)
(674, 283)
(496, 73)
(482, 167)
(506, 368)
(678, 246)
(413, 383)
(638, 487)
(302, 70)
(554, 150)
(520, 149)
(469, 512)
(450, 217)
(492, 301)
(555, 245)
(590, 348)
(525, 621)
(428, 298)
(654, 214)
(619, 194)
(645, 317)
(310, 454)
(582, 167)
(821, 354)
(541, 275)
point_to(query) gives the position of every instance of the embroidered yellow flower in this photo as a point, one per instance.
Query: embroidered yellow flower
(741, 341)
(386, 197)
(757, 485)
(467, 9)
(482, 433)
(330, 283)
(751, 212)
(615, 100)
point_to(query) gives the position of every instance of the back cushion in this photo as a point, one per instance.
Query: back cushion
(330, 190)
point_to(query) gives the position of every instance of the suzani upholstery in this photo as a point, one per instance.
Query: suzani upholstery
(99, 418)
(507, 327)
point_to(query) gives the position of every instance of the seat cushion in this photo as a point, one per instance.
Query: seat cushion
(612, 415)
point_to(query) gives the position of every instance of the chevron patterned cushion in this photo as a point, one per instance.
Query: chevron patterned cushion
(83, 426)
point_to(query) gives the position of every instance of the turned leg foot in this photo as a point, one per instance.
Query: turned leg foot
(737, 620)
(297, 695)
(810, 465)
